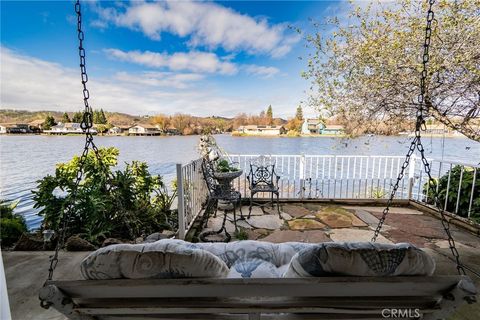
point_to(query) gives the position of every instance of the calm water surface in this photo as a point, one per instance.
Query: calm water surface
(25, 158)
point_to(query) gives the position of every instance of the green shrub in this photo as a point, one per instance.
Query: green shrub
(11, 225)
(465, 191)
(123, 203)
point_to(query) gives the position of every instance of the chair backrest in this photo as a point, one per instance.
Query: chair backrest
(208, 169)
(262, 171)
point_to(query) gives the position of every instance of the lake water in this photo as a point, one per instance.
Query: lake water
(26, 158)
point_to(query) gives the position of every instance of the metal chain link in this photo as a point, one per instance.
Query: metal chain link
(86, 125)
(417, 144)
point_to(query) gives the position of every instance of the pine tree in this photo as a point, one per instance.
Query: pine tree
(299, 113)
(102, 118)
(77, 117)
(49, 123)
(270, 115)
(65, 118)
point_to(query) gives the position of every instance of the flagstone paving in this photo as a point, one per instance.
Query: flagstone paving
(305, 224)
(296, 211)
(338, 217)
(271, 222)
(355, 235)
(309, 236)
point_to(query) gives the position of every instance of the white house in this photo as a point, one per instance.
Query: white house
(144, 130)
(67, 128)
(119, 129)
(263, 130)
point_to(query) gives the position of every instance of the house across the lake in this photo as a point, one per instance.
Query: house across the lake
(144, 130)
(263, 130)
(67, 128)
(317, 126)
(312, 126)
(14, 128)
(119, 129)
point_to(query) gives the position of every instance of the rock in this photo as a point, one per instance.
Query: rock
(338, 217)
(109, 241)
(138, 240)
(75, 243)
(216, 223)
(355, 235)
(305, 224)
(270, 222)
(263, 232)
(28, 243)
(168, 233)
(311, 236)
(286, 216)
(256, 211)
(366, 217)
(295, 211)
(155, 237)
(243, 224)
(269, 210)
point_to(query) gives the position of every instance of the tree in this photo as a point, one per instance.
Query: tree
(99, 117)
(65, 118)
(299, 113)
(366, 70)
(77, 117)
(49, 123)
(270, 115)
(162, 121)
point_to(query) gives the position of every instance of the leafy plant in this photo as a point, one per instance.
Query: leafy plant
(123, 203)
(224, 166)
(11, 225)
(452, 196)
(241, 234)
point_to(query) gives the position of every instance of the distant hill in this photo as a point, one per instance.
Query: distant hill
(23, 116)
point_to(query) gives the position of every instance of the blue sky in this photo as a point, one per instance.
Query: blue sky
(202, 58)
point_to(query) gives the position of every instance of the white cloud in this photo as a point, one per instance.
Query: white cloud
(204, 62)
(261, 71)
(35, 84)
(160, 79)
(205, 23)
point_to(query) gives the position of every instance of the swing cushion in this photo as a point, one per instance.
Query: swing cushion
(360, 259)
(161, 259)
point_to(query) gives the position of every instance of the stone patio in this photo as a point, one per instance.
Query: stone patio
(313, 222)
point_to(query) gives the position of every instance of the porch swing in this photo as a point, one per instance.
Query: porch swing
(340, 297)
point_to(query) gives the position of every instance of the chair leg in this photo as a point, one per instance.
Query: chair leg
(251, 204)
(240, 206)
(271, 200)
(278, 204)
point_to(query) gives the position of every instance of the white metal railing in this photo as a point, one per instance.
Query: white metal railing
(345, 177)
(192, 194)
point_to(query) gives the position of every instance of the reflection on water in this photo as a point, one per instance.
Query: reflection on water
(25, 159)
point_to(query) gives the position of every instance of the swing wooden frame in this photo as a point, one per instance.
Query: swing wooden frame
(432, 297)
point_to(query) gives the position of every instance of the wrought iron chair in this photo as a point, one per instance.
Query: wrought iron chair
(219, 192)
(263, 178)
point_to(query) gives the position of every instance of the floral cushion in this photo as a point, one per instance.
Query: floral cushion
(360, 259)
(161, 259)
(170, 258)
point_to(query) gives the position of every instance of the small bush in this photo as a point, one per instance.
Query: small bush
(465, 191)
(12, 226)
(121, 204)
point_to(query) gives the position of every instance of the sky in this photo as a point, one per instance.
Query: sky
(144, 58)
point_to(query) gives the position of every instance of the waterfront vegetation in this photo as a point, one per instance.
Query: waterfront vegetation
(123, 204)
(451, 181)
(12, 225)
